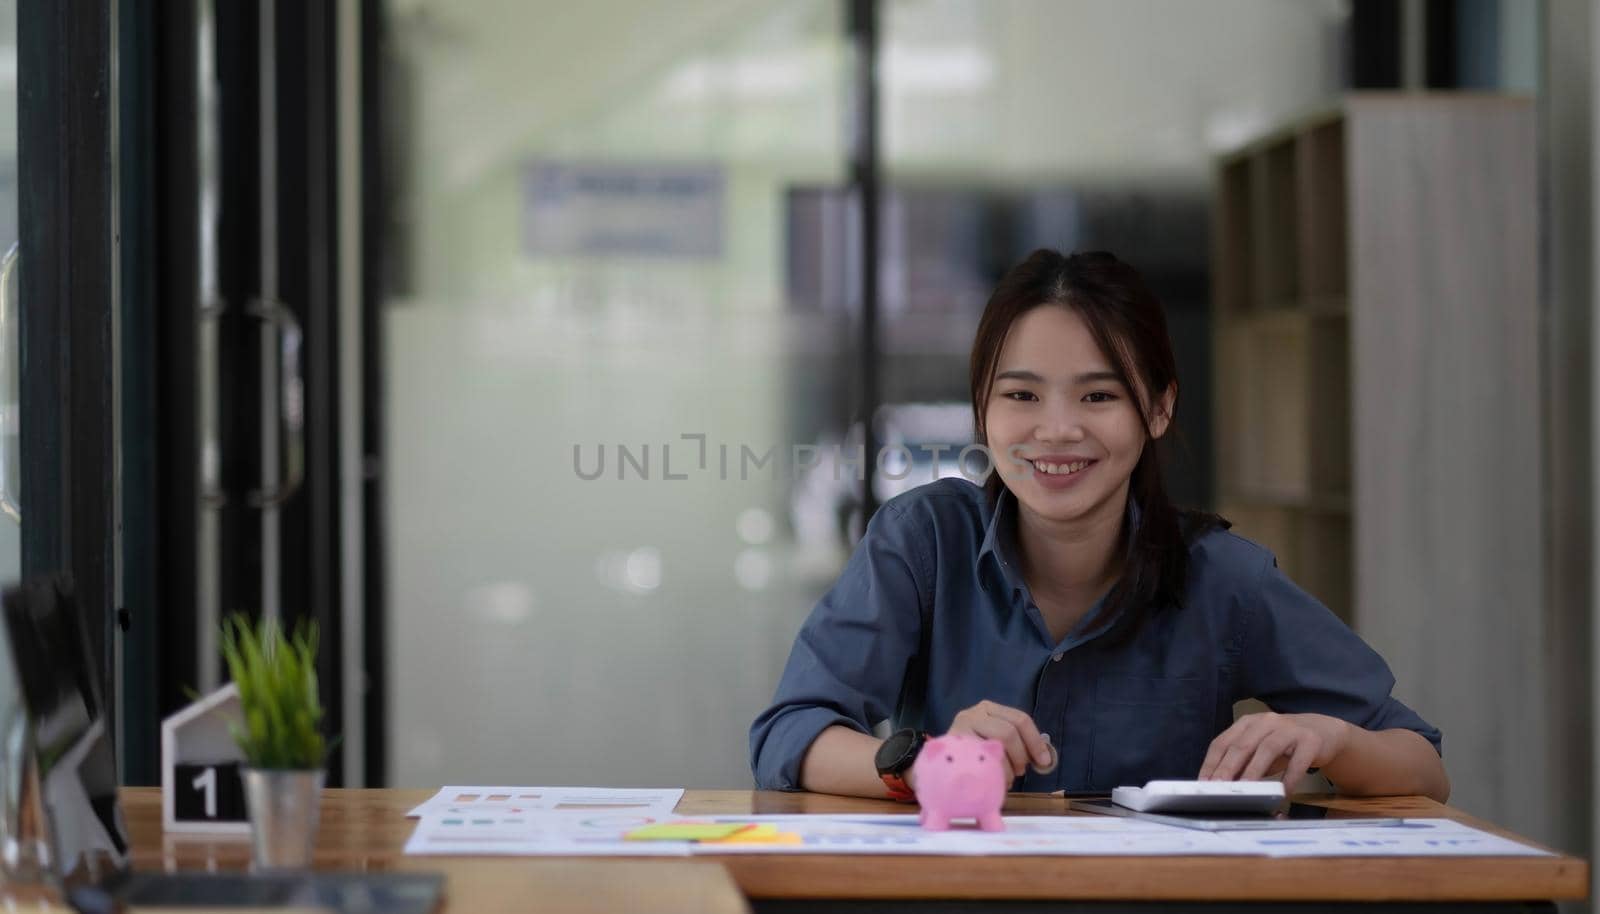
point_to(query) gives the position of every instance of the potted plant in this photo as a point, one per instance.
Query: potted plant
(280, 736)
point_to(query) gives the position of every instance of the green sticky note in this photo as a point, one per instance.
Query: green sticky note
(686, 831)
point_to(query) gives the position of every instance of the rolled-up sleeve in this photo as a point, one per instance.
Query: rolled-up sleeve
(1300, 658)
(849, 660)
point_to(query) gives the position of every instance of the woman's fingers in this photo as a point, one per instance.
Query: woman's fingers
(1212, 768)
(1233, 760)
(1272, 747)
(1214, 753)
(1260, 746)
(985, 726)
(1006, 733)
(1038, 748)
(1014, 729)
(1305, 755)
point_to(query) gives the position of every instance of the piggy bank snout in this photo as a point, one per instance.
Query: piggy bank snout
(966, 783)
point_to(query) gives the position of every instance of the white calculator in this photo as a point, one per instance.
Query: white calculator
(1260, 797)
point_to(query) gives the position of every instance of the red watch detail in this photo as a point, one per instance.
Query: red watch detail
(898, 789)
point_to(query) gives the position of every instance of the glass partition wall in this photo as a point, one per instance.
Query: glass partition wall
(597, 366)
(622, 335)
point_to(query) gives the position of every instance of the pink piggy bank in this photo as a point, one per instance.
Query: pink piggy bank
(960, 776)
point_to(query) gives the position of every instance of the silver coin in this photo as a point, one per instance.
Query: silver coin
(1055, 758)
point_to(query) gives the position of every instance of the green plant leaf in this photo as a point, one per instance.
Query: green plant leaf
(276, 674)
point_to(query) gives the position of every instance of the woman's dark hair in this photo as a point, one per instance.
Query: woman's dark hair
(1130, 327)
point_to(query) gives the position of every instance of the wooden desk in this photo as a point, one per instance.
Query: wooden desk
(366, 829)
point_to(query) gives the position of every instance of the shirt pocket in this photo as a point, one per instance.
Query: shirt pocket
(1147, 728)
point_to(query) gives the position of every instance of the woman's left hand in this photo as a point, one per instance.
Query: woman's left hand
(1260, 745)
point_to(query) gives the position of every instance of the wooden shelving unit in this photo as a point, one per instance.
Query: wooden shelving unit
(1282, 343)
(1380, 385)
(1387, 233)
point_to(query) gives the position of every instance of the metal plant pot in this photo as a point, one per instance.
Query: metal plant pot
(284, 807)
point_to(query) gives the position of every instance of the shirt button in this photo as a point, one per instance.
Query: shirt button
(1055, 658)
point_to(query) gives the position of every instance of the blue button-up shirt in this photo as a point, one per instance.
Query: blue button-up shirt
(932, 616)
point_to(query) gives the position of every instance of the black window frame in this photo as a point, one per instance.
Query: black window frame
(67, 299)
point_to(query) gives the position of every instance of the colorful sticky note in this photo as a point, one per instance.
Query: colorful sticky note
(685, 831)
(759, 834)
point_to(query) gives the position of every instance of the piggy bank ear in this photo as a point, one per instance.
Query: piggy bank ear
(995, 746)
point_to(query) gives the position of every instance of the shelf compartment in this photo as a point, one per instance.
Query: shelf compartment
(1326, 564)
(1230, 239)
(1321, 217)
(1238, 425)
(1274, 250)
(1280, 354)
(1328, 419)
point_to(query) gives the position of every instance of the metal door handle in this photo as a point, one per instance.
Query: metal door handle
(10, 408)
(212, 495)
(291, 402)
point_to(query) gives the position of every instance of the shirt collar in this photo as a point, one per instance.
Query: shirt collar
(1000, 536)
(999, 539)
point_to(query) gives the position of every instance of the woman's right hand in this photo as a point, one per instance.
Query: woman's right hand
(1013, 728)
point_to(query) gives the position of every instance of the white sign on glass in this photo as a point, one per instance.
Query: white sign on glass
(622, 209)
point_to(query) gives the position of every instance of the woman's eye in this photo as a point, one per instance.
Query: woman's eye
(1100, 396)
(1018, 395)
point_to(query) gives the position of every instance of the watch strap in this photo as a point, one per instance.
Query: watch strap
(892, 771)
(899, 791)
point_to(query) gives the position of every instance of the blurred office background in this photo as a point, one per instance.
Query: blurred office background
(659, 612)
(467, 328)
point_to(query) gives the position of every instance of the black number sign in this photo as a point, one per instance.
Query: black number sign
(208, 793)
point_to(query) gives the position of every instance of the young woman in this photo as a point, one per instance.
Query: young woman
(1068, 596)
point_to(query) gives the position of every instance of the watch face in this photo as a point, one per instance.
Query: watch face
(895, 754)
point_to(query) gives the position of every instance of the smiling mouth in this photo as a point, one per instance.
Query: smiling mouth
(1061, 469)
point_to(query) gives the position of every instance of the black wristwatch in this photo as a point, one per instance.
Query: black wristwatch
(894, 760)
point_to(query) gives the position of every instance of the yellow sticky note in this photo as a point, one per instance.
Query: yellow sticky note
(760, 834)
(686, 831)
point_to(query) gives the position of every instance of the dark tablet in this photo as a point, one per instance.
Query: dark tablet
(1298, 815)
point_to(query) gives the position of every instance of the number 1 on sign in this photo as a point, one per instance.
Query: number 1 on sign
(208, 783)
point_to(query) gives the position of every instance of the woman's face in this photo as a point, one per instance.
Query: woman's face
(1064, 432)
